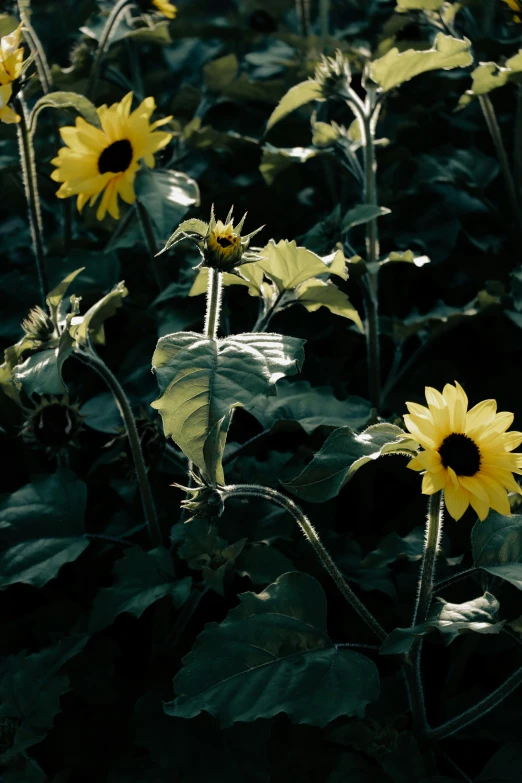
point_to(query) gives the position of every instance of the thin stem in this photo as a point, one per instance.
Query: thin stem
(214, 291)
(267, 493)
(264, 320)
(149, 238)
(494, 130)
(324, 13)
(37, 50)
(438, 586)
(372, 255)
(303, 14)
(431, 547)
(480, 709)
(99, 366)
(25, 145)
(518, 145)
(103, 44)
(246, 445)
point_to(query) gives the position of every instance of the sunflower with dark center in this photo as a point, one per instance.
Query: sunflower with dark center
(466, 453)
(105, 160)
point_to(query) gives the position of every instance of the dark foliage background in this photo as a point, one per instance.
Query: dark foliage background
(92, 676)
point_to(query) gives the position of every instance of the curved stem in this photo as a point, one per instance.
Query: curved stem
(37, 50)
(431, 547)
(25, 145)
(494, 130)
(478, 710)
(99, 366)
(149, 238)
(438, 586)
(267, 493)
(264, 320)
(103, 44)
(214, 291)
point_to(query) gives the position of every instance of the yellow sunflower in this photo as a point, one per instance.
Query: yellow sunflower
(467, 453)
(515, 6)
(7, 115)
(106, 160)
(165, 8)
(11, 56)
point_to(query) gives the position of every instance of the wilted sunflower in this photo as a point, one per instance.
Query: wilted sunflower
(165, 8)
(106, 160)
(467, 453)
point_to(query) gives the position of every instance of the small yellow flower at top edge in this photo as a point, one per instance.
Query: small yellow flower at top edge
(466, 453)
(165, 8)
(105, 160)
(11, 56)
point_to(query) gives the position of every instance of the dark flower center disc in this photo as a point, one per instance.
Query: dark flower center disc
(224, 241)
(115, 158)
(460, 453)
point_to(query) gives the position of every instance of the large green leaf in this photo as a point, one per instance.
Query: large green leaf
(288, 265)
(497, 546)
(276, 159)
(295, 97)
(90, 325)
(30, 691)
(478, 616)
(141, 579)
(272, 654)
(314, 294)
(342, 454)
(398, 67)
(42, 524)
(312, 408)
(505, 766)
(41, 373)
(201, 380)
(166, 195)
(362, 213)
(489, 76)
(248, 275)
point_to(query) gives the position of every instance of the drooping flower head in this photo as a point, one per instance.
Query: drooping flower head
(466, 453)
(165, 8)
(105, 160)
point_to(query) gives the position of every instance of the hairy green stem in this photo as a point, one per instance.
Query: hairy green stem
(25, 145)
(92, 360)
(267, 493)
(496, 136)
(372, 255)
(214, 291)
(149, 238)
(431, 547)
(263, 321)
(480, 709)
(518, 146)
(37, 50)
(114, 15)
(438, 586)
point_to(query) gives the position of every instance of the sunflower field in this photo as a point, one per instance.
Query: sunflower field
(249, 248)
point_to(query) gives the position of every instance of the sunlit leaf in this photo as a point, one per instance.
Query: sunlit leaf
(398, 67)
(478, 616)
(489, 76)
(342, 454)
(91, 324)
(295, 97)
(314, 294)
(201, 380)
(288, 265)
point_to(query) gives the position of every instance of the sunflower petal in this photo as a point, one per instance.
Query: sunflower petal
(457, 501)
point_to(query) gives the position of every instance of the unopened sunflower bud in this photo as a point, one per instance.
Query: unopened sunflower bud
(333, 75)
(38, 325)
(223, 248)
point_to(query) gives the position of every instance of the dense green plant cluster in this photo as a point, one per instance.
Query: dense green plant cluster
(207, 571)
